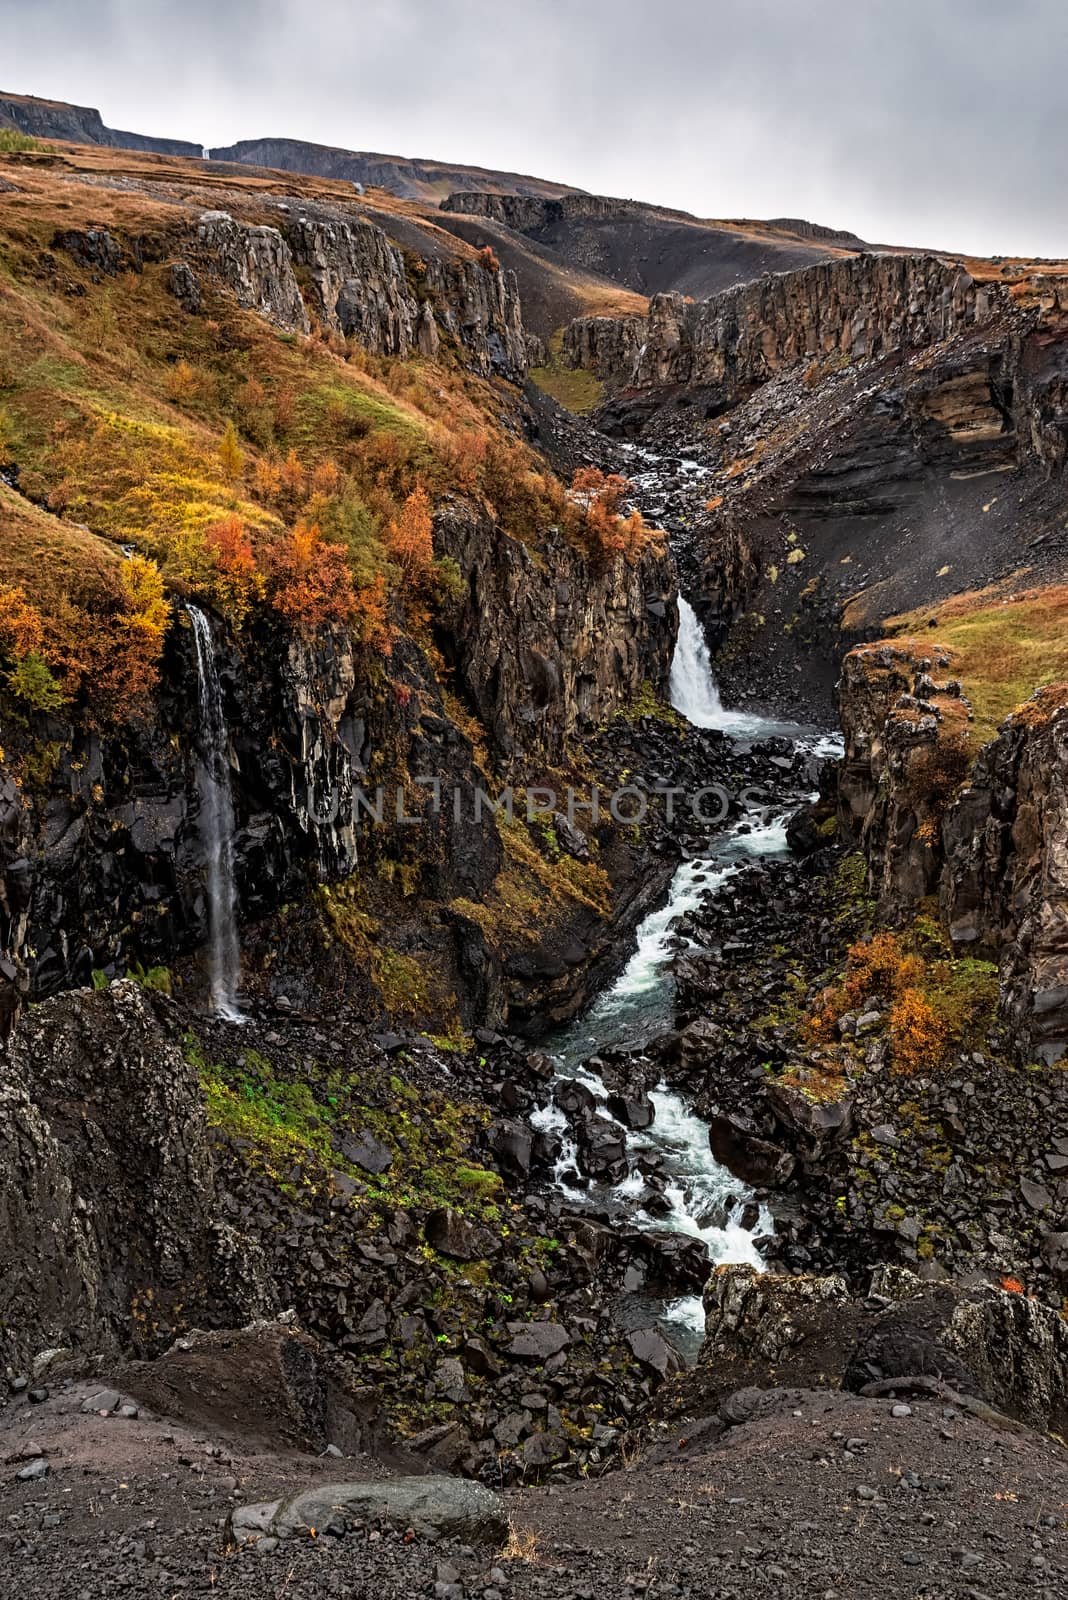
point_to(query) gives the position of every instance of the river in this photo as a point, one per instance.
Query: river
(639, 1006)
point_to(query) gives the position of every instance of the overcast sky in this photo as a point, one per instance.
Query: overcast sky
(926, 122)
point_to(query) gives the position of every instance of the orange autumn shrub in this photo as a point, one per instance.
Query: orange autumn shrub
(410, 539)
(21, 627)
(237, 583)
(309, 583)
(607, 533)
(918, 1035)
(370, 619)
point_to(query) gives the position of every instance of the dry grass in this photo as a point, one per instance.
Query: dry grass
(521, 1545)
(1002, 645)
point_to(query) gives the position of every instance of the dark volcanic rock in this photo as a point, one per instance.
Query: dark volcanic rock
(108, 1185)
(742, 1151)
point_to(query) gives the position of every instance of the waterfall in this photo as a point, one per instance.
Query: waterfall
(692, 688)
(216, 825)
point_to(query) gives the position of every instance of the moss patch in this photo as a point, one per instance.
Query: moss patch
(571, 387)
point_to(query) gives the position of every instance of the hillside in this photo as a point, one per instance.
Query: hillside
(411, 178)
(649, 249)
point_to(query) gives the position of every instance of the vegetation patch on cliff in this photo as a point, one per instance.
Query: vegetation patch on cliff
(1003, 645)
(926, 1003)
(574, 388)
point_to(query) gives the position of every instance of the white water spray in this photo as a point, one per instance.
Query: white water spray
(217, 826)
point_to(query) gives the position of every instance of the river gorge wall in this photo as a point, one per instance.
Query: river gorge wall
(985, 831)
(853, 309)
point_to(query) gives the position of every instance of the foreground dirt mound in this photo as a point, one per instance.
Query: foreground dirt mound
(812, 1494)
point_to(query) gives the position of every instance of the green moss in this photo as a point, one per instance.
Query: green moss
(292, 1123)
(571, 387)
(647, 703)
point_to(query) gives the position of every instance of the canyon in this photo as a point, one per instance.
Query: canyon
(458, 1177)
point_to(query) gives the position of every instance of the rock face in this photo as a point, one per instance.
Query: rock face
(107, 1186)
(1003, 1347)
(107, 865)
(990, 839)
(255, 262)
(480, 308)
(1004, 884)
(360, 286)
(358, 283)
(548, 649)
(854, 309)
(648, 249)
(55, 119)
(607, 346)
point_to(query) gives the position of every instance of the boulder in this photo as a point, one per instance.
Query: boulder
(270, 1376)
(537, 1341)
(451, 1234)
(735, 1142)
(815, 1123)
(454, 1508)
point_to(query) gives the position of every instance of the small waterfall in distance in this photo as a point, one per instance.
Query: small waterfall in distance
(217, 825)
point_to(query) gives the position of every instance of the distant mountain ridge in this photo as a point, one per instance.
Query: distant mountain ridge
(574, 253)
(412, 178)
(57, 119)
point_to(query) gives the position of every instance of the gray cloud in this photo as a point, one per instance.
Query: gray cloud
(929, 122)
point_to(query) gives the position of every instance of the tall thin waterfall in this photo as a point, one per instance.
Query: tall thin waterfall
(692, 688)
(217, 825)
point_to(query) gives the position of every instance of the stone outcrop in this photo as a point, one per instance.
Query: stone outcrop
(529, 213)
(606, 346)
(359, 285)
(255, 262)
(111, 1239)
(1002, 1348)
(479, 306)
(1004, 884)
(546, 649)
(850, 310)
(903, 718)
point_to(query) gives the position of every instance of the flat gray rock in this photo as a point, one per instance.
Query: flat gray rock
(455, 1507)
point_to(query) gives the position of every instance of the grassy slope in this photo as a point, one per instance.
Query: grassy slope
(1003, 645)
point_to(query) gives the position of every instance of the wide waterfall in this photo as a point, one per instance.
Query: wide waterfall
(217, 825)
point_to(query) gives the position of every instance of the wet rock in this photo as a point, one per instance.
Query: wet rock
(735, 1142)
